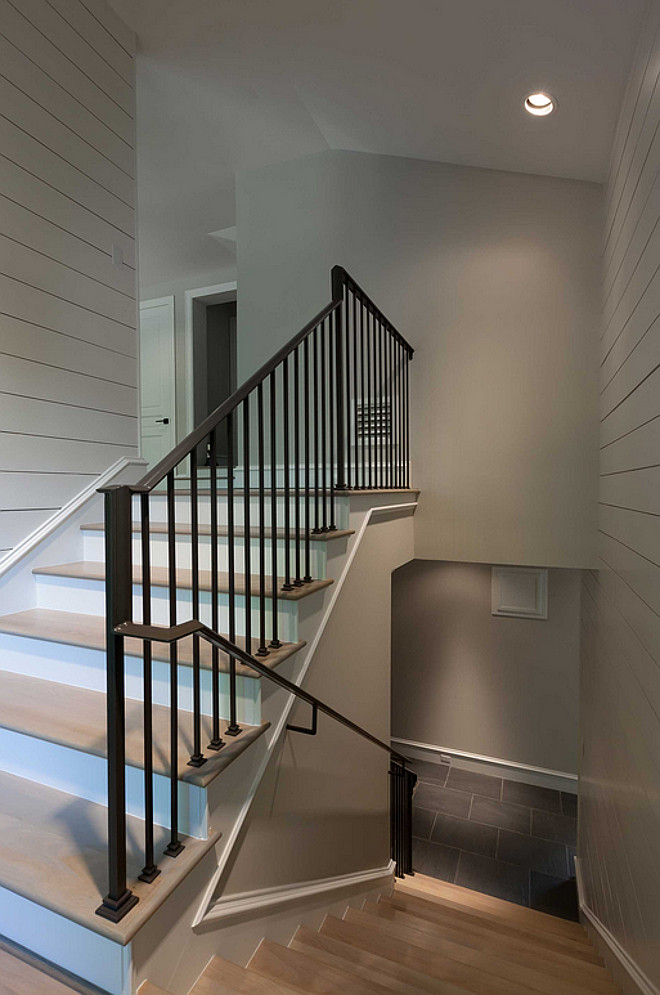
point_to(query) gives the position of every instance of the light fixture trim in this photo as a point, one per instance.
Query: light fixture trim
(539, 103)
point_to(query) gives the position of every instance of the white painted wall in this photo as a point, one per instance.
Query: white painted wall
(68, 367)
(619, 824)
(493, 277)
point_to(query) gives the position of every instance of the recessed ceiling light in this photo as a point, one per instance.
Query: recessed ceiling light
(540, 104)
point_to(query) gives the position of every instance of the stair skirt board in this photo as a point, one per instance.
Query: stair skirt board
(254, 902)
(81, 667)
(65, 943)
(60, 593)
(85, 775)
(631, 978)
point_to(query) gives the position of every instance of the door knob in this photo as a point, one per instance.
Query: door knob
(162, 421)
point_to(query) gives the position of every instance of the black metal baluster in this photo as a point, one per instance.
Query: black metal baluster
(274, 640)
(216, 741)
(175, 846)
(370, 400)
(324, 437)
(149, 872)
(407, 425)
(379, 402)
(390, 434)
(332, 414)
(338, 296)
(119, 597)
(363, 407)
(197, 759)
(233, 728)
(263, 649)
(296, 458)
(308, 525)
(401, 358)
(356, 480)
(346, 352)
(317, 473)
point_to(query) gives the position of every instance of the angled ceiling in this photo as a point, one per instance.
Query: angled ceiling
(231, 84)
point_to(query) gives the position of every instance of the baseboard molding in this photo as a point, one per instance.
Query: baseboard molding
(66, 511)
(561, 780)
(251, 903)
(611, 949)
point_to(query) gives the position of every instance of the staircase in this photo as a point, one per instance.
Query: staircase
(134, 721)
(427, 936)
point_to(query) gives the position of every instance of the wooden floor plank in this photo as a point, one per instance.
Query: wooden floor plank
(433, 889)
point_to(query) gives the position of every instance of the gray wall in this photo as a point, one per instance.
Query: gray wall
(494, 278)
(68, 347)
(619, 825)
(321, 809)
(466, 680)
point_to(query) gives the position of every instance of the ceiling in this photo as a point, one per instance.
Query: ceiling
(230, 84)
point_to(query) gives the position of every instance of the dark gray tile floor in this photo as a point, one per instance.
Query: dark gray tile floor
(505, 838)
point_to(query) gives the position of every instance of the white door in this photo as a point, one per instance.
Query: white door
(157, 392)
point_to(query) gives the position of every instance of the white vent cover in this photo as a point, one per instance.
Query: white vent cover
(519, 592)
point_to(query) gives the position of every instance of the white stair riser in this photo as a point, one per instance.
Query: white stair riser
(88, 596)
(86, 776)
(182, 511)
(94, 549)
(80, 667)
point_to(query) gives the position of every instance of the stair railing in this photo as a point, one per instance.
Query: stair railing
(327, 414)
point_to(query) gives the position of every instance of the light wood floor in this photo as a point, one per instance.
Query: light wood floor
(427, 936)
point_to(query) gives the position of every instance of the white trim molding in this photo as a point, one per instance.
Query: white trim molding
(640, 981)
(265, 899)
(70, 508)
(543, 775)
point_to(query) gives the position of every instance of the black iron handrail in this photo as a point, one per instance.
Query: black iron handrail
(329, 412)
(172, 634)
(339, 279)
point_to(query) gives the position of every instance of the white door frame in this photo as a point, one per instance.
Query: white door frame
(190, 296)
(143, 306)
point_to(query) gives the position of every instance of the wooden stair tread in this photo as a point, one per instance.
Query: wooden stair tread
(93, 570)
(454, 896)
(76, 718)
(458, 960)
(160, 528)
(54, 852)
(147, 988)
(400, 978)
(451, 938)
(88, 631)
(307, 973)
(221, 977)
(437, 913)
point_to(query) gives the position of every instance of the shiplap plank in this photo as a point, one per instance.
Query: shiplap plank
(643, 312)
(641, 448)
(24, 378)
(36, 490)
(637, 408)
(33, 231)
(97, 37)
(639, 227)
(18, 29)
(24, 112)
(641, 363)
(641, 276)
(22, 452)
(16, 525)
(25, 341)
(49, 22)
(635, 529)
(106, 16)
(21, 187)
(640, 574)
(636, 330)
(22, 263)
(27, 303)
(638, 490)
(35, 417)
(26, 152)
(79, 123)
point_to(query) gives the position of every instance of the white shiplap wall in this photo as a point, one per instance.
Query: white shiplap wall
(620, 778)
(68, 344)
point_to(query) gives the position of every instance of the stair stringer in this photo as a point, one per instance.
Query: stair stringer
(175, 946)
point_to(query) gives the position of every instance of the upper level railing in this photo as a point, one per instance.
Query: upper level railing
(329, 412)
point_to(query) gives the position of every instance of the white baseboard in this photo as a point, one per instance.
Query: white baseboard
(266, 899)
(629, 968)
(557, 779)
